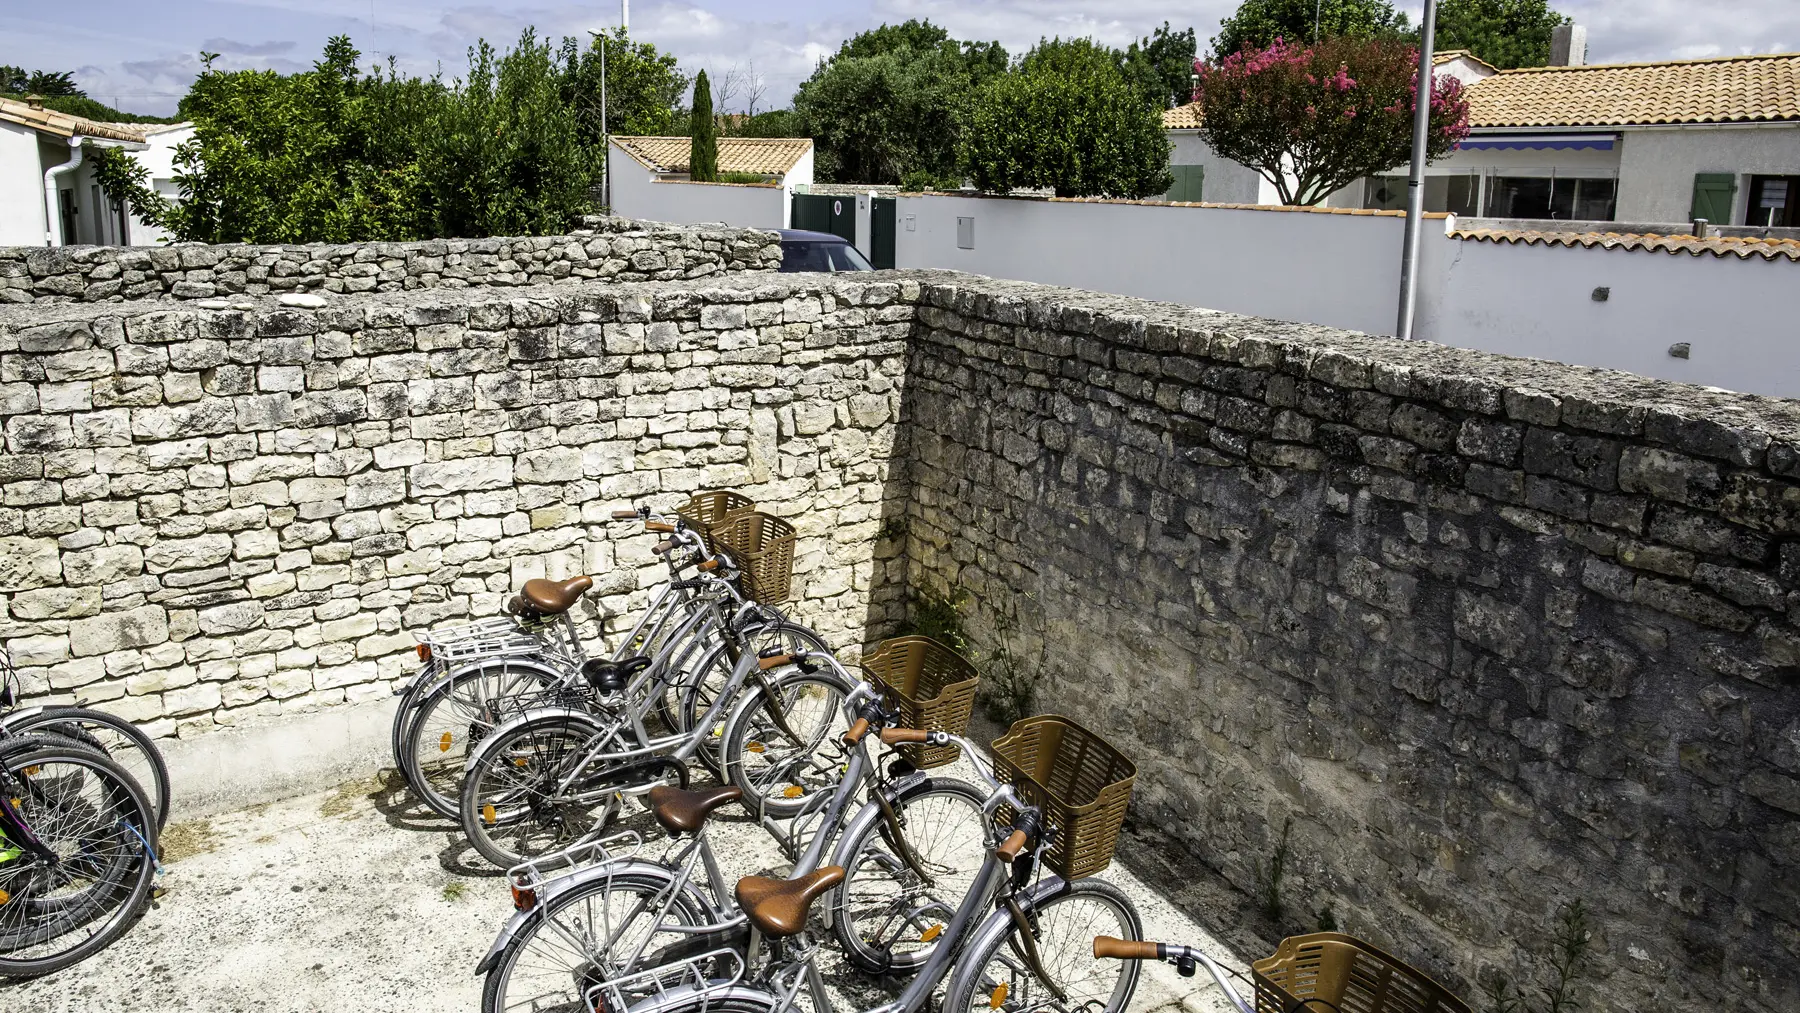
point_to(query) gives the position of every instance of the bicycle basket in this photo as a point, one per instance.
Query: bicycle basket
(1081, 783)
(933, 687)
(762, 545)
(709, 508)
(1332, 971)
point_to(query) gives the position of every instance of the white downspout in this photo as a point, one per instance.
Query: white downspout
(52, 234)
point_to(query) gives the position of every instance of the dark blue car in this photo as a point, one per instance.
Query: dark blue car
(819, 251)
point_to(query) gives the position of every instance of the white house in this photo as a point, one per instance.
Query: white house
(47, 195)
(648, 179)
(159, 158)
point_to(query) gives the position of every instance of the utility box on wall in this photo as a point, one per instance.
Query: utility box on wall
(965, 233)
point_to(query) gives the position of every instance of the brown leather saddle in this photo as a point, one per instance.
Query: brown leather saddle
(778, 907)
(681, 811)
(551, 597)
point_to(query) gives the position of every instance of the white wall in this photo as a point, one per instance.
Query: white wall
(1657, 166)
(638, 193)
(1227, 182)
(159, 159)
(1336, 269)
(1537, 301)
(21, 187)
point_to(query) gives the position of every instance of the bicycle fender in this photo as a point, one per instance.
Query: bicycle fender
(999, 922)
(428, 688)
(568, 715)
(690, 997)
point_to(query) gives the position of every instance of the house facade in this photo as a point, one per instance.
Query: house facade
(648, 178)
(48, 193)
(1645, 142)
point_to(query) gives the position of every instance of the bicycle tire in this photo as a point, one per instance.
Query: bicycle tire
(871, 855)
(693, 909)
(769, 782)
(442, 794)
(972, 973)
(150, 759)
(132, 863)
(698, 694)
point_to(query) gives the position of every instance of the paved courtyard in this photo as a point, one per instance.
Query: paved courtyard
(359, 900)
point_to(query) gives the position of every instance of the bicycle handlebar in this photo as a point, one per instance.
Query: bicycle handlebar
(1009, 849)
(1183, 957)
(624, 515)
(1127, 949)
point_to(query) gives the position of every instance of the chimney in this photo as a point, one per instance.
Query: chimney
(1568, 46)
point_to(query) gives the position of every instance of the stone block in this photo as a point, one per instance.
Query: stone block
(116, 631)
(27, 563)
(469, 474)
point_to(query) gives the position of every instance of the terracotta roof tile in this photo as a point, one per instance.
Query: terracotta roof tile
(770, 156)
(1731, 89)
(1185, 117)
(50, 121)
(1718, 246)
(1443, 56)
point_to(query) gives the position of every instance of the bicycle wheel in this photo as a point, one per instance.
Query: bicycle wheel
(583, 937)
(532, 790)
(711, 675)
(887, 919)
(780, 770)
(994, 974)
(120, 740)
(97, 824)
(454, 716)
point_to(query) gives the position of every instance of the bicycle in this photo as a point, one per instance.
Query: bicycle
(549, 945)
(551, 777)
(77, 853)
(1007, 960)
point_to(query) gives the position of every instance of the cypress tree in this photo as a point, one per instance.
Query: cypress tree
(703, 149)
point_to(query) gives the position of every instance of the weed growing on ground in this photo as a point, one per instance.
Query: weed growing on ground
(1568, 959)
(454, 890)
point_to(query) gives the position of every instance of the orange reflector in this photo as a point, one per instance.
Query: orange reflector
(753, 747)
(931, 933)
(524, 898)
(4, 896)
(444, 743)
(520, 761)
(487, 814)
(793, 791)
(424, 653)
(998, 998)
(32, 771)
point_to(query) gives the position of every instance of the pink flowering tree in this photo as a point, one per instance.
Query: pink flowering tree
(1314, 119)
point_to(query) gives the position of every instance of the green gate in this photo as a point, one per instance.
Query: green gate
(881, 232)
(825, 213)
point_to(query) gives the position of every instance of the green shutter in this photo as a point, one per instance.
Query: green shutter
(1188, 182)
(1712, 196)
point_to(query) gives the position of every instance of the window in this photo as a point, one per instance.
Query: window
(1544, 193)
(1774, 202)
(1189, 183)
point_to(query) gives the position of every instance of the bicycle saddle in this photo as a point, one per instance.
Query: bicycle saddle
(681, 811)
(550, 597)
(778, 907)
(608, 677)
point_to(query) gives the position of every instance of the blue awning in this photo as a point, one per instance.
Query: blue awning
(1564, 142)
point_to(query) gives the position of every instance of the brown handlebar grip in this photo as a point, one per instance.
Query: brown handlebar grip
(658, 526)
(1125, 949)
(625, 515)
(665, 546)
(775, 662)
(900, 736)
(856, 732)
(1009, 849)
(709, 566)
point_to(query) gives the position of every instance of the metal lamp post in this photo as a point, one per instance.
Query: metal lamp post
(1415, 181)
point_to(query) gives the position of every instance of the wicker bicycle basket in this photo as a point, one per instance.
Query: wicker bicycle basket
(1081, 783)
(762, 546)
(1331, 971)
(933, 687)
(706, 510)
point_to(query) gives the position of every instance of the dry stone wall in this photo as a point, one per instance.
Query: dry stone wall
(211, 515)
(613, 249)
(1495, 635)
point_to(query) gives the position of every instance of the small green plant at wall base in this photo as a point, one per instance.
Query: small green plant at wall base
(1568, 959)
(1268, 884)
(1327, 919)
(1011, 688)
(940, 617)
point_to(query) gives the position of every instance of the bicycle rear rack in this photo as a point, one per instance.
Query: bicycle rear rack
(530, 877)
(652, 987)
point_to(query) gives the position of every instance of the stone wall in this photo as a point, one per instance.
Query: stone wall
(1494, 634)
(213, 515)
(614, 249)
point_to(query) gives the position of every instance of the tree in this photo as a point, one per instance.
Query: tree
(1161, 65)
(504, 155)
(703, 149)
(643, 90)
(43, 83)
(1313, 119)
(1066, 119)
(890, 104)
(1258, 23)
(1505, 33)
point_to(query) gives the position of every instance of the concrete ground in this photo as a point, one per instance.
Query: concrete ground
(357, 899)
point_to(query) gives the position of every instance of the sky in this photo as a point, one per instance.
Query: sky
(141, 56)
